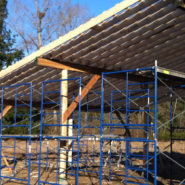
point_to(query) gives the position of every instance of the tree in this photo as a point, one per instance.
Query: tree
(8, 54)
(39, 22)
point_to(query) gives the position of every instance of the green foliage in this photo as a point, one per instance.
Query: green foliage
(9, 119)
(164, 116)
(8, 54)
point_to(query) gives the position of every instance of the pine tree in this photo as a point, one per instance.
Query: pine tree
(8, 54)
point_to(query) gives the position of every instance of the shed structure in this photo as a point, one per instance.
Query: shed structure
(111, 71)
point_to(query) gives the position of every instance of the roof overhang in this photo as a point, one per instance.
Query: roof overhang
(133, 34)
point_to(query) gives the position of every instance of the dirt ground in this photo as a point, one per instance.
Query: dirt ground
(88, 175)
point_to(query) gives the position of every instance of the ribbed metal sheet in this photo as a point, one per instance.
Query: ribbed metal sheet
(132, 37)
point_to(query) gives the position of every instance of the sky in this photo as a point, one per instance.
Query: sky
(98, 6)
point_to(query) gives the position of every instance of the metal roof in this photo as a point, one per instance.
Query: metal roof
(132, 34)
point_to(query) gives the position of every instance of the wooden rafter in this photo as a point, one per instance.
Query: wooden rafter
(84, 92)
(49, 63)
(5, 111)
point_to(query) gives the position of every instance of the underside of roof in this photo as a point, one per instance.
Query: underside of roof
(133, 34)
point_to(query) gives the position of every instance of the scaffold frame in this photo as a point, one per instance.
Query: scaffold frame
(129, 158)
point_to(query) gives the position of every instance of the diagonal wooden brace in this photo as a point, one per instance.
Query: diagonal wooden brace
(84, 92)
(5, 110)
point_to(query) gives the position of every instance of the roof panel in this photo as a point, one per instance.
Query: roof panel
(130, 35)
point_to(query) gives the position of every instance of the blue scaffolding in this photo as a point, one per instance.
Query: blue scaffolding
(53, 161)
(88, 141)
(112, 144)
(176, 163)
(128, 98)
(16, 92)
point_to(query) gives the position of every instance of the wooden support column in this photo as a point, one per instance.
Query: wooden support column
(67, 111)
(5, 111)
(64, 130)
(70, 133)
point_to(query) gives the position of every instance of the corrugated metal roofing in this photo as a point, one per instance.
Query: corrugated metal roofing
(132, 34)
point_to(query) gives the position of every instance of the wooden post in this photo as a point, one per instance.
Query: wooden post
(63, 131)
(55, 121)
(70, 133)
(65, 113)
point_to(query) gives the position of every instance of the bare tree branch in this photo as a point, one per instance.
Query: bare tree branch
(39, 22)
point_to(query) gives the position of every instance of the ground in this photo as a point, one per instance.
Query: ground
(86, 178)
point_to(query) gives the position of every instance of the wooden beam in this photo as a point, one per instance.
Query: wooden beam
(7, 163)
(84, 92)
(70, 66)
(49, 63)
(5, 111)
(89, 69)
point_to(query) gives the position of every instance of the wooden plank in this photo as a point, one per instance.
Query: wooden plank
(36, 78)
(7, 163)
(170, 72)
(5, 111)
(84, 92)
(131, 48)
(68, 66)
(49, 63)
